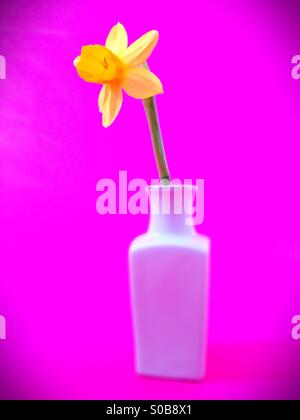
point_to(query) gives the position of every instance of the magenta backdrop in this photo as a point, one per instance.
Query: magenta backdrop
(230, 115)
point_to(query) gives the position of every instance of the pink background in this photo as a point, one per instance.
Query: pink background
(230, 115)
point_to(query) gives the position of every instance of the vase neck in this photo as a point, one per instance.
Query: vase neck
(171, 207)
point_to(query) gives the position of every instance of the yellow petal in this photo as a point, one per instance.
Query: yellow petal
(103, 96)
(97, 64)
(110, 102)
(76, 61)
(117, 40)
(138, 52)
(141, 83)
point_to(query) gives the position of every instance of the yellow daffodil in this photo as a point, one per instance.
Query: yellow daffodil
(118, 67)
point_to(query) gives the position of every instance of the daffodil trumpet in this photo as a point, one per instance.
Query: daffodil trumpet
(119, 67)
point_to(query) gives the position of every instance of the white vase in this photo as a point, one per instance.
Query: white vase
(169, 275)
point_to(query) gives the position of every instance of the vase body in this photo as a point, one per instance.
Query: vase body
(169, 278)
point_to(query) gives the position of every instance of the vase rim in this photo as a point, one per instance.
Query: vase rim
(171, 186)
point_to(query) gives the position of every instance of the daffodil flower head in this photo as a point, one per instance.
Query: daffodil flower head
(119, 67)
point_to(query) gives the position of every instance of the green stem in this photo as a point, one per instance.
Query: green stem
(158, 146)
